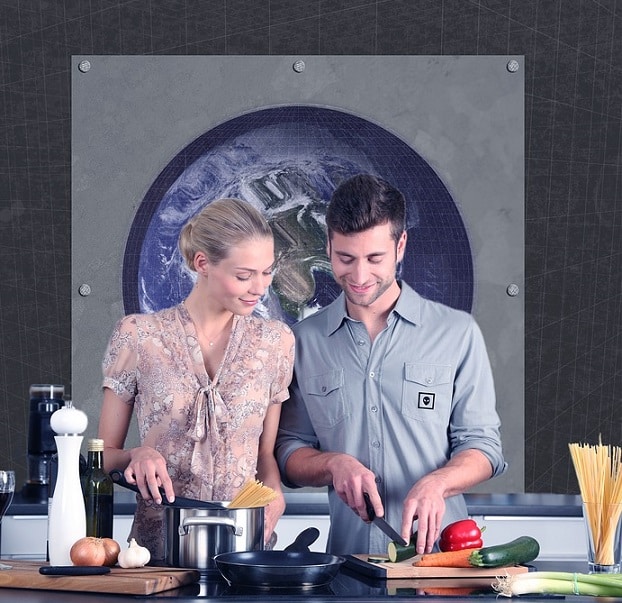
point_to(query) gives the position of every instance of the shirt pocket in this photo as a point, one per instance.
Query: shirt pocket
(326, 399)
(427, 392)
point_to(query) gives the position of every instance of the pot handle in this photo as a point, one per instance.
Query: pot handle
(188, 522)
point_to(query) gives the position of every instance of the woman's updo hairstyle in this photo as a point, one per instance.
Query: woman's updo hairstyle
(219, 226)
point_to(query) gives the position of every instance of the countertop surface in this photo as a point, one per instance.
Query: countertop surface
(348, 586)
(316, 503)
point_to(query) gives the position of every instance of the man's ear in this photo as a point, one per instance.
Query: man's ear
(401, 246)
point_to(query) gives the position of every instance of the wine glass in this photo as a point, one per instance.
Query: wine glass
(7, 489)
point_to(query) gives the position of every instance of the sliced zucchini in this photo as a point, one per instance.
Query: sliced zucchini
(398, 552)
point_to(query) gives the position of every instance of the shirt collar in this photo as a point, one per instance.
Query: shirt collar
(408, 307)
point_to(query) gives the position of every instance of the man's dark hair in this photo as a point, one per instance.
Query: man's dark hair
(365, 201)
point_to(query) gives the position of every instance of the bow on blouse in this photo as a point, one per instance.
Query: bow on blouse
(211, 417)
(210, 414)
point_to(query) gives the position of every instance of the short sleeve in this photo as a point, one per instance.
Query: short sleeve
(120, 362)
(279, 391)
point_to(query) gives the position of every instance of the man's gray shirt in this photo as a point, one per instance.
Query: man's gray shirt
(402, 405)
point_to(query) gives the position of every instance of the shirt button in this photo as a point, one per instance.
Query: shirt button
(374, 409)
(360, 342)
(372, 374)
(376, 444)
(378, 479)
(323, 388)
(428, 380)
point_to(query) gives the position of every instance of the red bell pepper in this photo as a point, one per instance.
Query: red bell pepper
(463, 534)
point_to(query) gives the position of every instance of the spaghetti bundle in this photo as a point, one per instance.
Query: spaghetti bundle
(599, 473)
(252, 494)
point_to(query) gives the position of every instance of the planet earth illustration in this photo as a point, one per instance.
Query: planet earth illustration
(286, 161)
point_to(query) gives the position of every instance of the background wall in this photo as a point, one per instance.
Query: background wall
(573, 230)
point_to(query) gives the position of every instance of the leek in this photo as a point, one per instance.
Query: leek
(560, 583)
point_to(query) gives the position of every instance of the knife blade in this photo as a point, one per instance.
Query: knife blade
(381, 523)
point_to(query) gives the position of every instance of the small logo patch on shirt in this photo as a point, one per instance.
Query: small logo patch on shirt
(426, 401)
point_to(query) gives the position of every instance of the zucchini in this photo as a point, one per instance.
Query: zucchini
(399, 552)
(521, 550)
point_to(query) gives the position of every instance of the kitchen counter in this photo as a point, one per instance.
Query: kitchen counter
(347, 587)
(316, 503)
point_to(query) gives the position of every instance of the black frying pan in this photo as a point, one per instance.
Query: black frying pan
(278, 569)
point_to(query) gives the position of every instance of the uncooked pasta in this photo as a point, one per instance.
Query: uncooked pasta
(599, 473)
(252, 494)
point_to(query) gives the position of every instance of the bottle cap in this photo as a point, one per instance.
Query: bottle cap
(95, 445)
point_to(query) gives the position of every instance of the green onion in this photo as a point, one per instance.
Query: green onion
(561, 583)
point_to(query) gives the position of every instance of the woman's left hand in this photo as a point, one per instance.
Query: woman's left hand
(272, 513)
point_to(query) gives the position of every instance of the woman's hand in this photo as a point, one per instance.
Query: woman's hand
(272, 513)
(147, 469)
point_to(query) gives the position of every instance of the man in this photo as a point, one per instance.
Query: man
(392, 394)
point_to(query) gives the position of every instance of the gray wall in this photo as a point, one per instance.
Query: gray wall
(573, 175)
(463, 115)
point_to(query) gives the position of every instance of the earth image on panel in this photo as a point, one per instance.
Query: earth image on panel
(286, 161)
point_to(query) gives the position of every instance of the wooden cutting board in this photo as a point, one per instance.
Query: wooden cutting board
(138, 581)
(405, 569)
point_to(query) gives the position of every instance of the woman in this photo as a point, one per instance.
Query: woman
(205, 377)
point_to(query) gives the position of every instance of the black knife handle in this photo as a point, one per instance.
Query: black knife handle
(73, 570)
(369, 507)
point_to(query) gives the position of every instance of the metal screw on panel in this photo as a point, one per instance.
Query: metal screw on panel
(512, 290)
(84, 66)
(512, 66)
(84, 290)
(299, 66)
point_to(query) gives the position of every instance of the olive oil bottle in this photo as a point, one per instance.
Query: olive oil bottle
(98, 493)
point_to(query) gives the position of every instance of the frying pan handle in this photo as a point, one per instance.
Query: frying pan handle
(118, 478)
(188, 522)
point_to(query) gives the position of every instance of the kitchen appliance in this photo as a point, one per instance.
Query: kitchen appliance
(45, 399)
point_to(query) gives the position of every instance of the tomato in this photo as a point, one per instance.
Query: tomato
(463, 534)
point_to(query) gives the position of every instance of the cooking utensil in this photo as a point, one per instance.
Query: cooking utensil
(179, 502)
(278, 569)
(381, 523)
(304, 540)
(196, 535)
(73, 570)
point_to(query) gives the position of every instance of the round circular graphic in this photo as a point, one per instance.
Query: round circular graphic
(286, 161)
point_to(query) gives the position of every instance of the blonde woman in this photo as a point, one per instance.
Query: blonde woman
(206, 378)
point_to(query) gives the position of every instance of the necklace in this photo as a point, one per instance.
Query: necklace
(211, 342)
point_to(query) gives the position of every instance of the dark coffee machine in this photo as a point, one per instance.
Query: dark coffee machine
(44, 400)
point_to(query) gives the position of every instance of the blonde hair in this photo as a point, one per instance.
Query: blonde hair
(220, 226)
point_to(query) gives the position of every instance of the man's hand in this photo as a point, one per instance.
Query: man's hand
(147, 469)
(425, 503)
(351, 479)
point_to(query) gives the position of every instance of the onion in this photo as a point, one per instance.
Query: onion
(94, 551)
(112, 548)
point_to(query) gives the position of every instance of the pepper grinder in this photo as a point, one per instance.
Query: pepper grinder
(67, 518)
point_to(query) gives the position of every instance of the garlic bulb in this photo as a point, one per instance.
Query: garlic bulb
(134, 555)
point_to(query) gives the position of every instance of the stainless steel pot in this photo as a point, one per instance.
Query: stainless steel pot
(195, 536)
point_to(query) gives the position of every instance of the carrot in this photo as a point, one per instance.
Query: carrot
(444, 559)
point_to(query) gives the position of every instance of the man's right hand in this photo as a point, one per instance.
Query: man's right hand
(351, 479)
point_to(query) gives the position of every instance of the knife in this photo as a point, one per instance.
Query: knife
(381, 523)
(73, 570)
